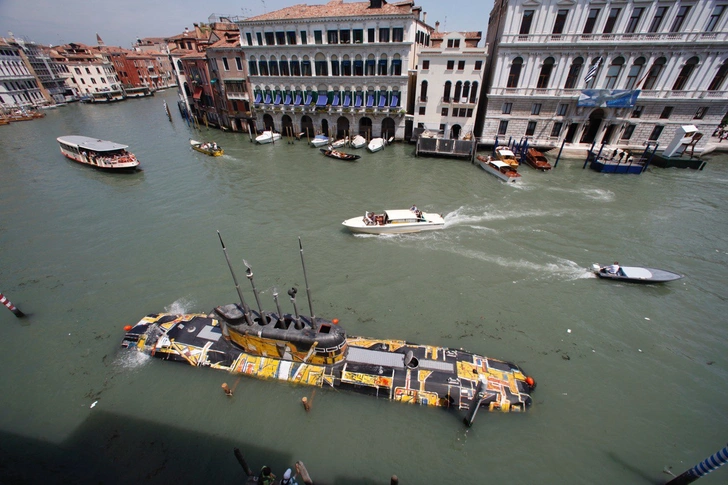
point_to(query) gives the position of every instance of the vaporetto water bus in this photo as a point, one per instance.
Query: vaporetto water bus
(100, 154)
(315, 351)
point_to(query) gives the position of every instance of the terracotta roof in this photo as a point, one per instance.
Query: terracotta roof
(335, 8)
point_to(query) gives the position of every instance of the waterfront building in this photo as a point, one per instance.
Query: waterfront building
(449, 80)
(19, 87)
(48, 70)
(93, 77)
(615, 72)
(338, 69)
(159, 48)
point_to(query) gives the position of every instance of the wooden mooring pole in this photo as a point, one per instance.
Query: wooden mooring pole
(708, 465)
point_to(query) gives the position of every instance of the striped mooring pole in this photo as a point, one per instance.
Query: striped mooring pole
(703, 468)
(10, 306)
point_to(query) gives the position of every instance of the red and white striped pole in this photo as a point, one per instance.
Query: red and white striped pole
(10, 306)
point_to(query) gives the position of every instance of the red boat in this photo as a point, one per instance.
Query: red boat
(537, 160)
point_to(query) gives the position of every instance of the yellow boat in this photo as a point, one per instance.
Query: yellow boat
(209, 148)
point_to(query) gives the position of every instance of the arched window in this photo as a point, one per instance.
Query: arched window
(515, 74)
(320, 65)
(446, 93)
(396, 65)
(634, 73)
(458, 90)
(591, 75)
(382, 67)
(423, 91)
(335, 66)
(717, 81)
(370, 68)
(654, 73)
(474, 92)
(685, 73)
(273, 66)
(545, 76)
(613, 73)
(466, 90)
(252, 66)
(574, 72)
(263, 65)
(283, 66)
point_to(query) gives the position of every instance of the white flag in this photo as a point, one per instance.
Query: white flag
(592, 71)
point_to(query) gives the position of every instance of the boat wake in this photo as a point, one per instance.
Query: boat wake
(127, 361)
(470, 216)
(180, 306)
(597, 194)
(562, 269)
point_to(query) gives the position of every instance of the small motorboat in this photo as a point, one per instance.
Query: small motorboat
(400, 221)
(267, 137)
(537, 160)
(375, 145)
(209, 148)
(331, 153)
(635, 274)
(358, 142)
(340, 143)
(505, 154)
(500, 169)
(319, 141)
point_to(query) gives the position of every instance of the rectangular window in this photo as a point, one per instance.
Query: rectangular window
(334, 68)
(453, 43)
(304, 40)
(560, 21)
(345, 36)
(295, 68)
(225, 63)
(370, 36)
(714, 18)
(321, 68)
(666, 112)
(461, 65)
(507, 107)
(637, 111)
(656, 132)
(239, 63)
(611, 20)
(503, 127)
(383, 35)
(526, 21)
(478, 65)
(680, 18)
(634, 20)
(422, 110)
(370, 67)
(291, 37)
(259, 36)
(346, 68)
(450, 65)
(469, 113)
(657, 19)
(249, 37)
(562, 109)
(591, 20)
(397, 34)
(280, 38)
(270, 38)
(628, 130)
(358, 36)
(396, 67)
(317, 37)
(536, 109)
(284, 68)
(444, 112)
(382, 67)
(332, 36)
(531, 128)
(426, 64)
(700, 113)
(358, 68)
(556, 129)
(305, 68)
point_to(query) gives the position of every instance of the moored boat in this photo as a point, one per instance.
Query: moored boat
(319, 140)
(318, 352)
(331, 153)
(500, 169)
(358, 142)
(375, 144)
(340, 143)
(208, 148)
(100, 154)
(398, 221)
(506, 155)
(267, 137)
(537, 160)
(634, 274)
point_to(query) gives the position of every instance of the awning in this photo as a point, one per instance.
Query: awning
(321, 100)
(258, 98)
(278, 99)
(335, 102)
(357, 101)
(382, 101)
(198, 93)
(347, 100)
(395, 101)
(298, 100)
(308, 99)
(370, 101)
(267, 98)
(288, 99)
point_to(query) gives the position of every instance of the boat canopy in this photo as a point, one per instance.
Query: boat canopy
(90, 144)
(506, 152)
(400, 215)
(499, 164)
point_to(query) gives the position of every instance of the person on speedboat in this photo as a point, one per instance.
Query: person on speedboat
(613, 268)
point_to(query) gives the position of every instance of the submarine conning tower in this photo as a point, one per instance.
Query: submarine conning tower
(296, 338)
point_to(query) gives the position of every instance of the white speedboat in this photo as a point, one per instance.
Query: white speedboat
(319, 141)
(340, 143)
(100, 154)
(500, 169)
(635, 274)
(375, 145)
(267, 137)
(358, 142)
(398, 221)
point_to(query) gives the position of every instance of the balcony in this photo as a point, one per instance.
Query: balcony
(666, 38)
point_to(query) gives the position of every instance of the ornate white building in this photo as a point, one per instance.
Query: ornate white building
(607, 71)
(338, 69)
(449, 81)
(19, 87)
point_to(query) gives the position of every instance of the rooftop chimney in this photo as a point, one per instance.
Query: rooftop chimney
(437, 25)
(424, 17)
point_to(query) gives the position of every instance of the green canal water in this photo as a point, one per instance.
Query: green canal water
(631, 379)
